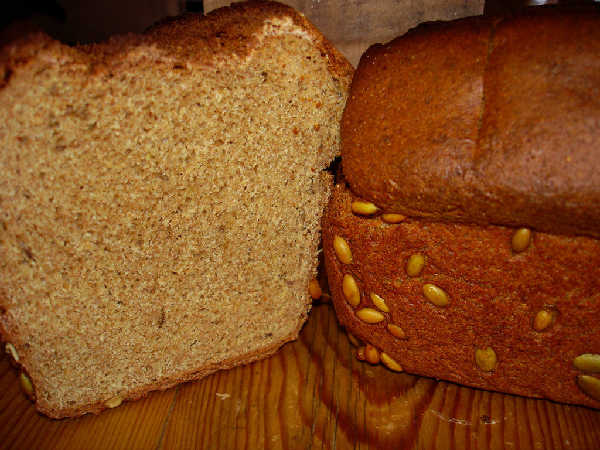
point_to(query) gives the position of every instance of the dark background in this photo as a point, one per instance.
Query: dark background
(84, 21)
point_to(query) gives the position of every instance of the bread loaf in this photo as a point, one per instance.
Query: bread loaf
(160, 200)
(464, 244)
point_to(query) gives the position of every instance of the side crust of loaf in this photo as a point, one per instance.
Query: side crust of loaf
(95, 314)
(482, 120)
(494, 295)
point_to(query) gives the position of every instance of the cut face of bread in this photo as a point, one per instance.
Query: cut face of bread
(160, 200)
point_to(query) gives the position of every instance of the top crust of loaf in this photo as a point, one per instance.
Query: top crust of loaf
(482, 120)
(229, 32)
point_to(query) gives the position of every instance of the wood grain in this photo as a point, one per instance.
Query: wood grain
(313, 394)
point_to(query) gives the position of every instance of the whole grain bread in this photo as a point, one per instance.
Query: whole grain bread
(464, 244)
(483, 120)
(160, 199)
(537, 309)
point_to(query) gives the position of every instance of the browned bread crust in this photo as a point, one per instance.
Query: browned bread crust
(494, 297)
(218, 36)
(222, 41)
(484, 120)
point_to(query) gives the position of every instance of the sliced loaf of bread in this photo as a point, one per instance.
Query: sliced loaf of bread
(464, 245)
(160, 200)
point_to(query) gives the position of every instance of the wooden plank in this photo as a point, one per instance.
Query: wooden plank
(315, 394)
(353, 25)
(311, 394)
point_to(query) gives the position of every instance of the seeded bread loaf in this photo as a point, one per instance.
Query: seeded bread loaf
(464, 244)
(160, 200)
(457, 302)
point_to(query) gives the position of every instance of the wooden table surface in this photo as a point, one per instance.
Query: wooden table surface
(313, 394)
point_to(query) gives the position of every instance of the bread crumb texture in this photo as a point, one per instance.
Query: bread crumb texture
(160, 200)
